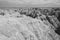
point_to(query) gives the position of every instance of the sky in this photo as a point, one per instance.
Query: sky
(20, 3)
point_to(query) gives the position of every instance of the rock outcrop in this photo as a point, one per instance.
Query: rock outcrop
(31, 24)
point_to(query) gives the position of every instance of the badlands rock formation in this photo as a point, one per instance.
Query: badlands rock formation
(30, 24)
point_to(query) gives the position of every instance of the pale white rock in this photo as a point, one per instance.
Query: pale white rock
(24, 27)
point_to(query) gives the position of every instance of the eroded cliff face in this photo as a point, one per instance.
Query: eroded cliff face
(18, 25)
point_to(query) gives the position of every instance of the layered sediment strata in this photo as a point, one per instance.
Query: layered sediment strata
(34, 24)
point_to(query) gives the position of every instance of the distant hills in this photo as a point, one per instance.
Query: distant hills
(9, 4)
